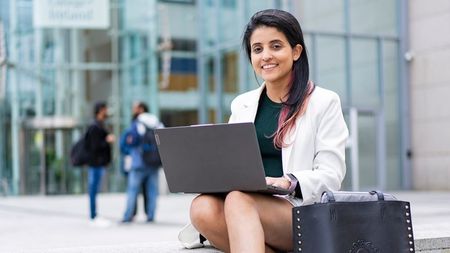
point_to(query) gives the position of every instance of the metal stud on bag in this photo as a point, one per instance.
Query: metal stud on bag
(409, 232)
(299, 234)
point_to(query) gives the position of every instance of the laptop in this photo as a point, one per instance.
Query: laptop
(213, 158)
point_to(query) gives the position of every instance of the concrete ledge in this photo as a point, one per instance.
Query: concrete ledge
(429, 245)
(53, 224)
(433, 245)
(159, 247)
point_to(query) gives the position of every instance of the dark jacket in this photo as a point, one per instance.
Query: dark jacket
(98, 147)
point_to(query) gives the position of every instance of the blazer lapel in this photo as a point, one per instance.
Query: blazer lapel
(250, 107)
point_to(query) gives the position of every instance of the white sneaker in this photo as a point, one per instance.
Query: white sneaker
(100, 222)
(189, 237)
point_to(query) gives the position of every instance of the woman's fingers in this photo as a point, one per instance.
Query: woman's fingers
(280, 182)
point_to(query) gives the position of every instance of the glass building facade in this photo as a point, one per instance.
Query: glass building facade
(184, 58)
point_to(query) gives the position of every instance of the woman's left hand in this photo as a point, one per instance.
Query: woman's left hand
(280, 182)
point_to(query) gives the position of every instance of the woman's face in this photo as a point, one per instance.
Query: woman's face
(272, 56)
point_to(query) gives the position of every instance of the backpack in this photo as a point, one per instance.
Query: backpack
(150, 153)
(79, 153)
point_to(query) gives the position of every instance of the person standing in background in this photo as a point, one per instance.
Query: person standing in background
(141, 173)
(126, 158)
(99, 146)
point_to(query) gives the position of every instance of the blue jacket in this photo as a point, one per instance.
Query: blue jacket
(132, 138)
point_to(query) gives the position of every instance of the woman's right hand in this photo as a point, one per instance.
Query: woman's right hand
(280, 182)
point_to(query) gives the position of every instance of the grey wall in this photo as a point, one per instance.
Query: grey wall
(430, 93)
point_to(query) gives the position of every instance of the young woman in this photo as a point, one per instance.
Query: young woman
(301, 133)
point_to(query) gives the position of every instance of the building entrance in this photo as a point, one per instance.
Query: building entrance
(45, 168)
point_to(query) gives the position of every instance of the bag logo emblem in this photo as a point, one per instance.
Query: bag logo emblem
(362, 246)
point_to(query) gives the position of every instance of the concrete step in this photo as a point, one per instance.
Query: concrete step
(430, 245)
(39, 224)
(433, 245)
(155, 247)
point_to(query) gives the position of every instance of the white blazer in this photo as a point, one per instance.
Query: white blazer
(315, 154)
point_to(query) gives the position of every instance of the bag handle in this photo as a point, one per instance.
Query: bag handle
(379, 194)
(331, 197)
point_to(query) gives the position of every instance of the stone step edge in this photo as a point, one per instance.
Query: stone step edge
(439, 243)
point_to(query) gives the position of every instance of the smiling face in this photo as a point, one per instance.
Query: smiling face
(272, 56)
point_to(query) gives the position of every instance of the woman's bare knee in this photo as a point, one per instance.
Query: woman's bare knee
(236, 200)
(272, 213)
(207, 216)
(205, 211)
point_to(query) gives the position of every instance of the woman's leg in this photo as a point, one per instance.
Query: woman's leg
(258, 223)
(207, 216)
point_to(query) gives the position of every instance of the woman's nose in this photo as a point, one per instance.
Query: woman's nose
(266, 56)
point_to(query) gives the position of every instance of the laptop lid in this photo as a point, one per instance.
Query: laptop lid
(211, 158)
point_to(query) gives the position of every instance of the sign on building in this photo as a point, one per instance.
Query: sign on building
(89, 14)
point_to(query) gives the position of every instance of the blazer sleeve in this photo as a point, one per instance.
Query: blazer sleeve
(328, 168)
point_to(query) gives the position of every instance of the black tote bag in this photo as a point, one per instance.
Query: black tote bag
(352, 222)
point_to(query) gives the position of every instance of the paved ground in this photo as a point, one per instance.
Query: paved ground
(60, 223)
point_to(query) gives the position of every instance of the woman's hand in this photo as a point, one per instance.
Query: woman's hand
(280, 182)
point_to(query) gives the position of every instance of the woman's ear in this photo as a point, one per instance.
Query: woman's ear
(297, 51)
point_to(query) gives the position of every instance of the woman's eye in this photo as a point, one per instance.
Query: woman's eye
(276, 46)
(257, 50)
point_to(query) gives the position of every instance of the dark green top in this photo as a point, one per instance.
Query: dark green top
(266, 123)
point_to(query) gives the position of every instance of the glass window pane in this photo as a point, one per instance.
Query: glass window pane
(33, 140)
(392, 115)
(331, 65)
(367, 150)
(254, 6)
(182, 75)
(230, 73)
(210, 75)
(373, 16)
(229, 31)
(178, 21)
(209, 26)
(364, 66)
(321, 15)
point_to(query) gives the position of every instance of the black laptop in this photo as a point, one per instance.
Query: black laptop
(213, 158)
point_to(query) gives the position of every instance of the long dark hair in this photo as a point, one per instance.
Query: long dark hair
(300, 87)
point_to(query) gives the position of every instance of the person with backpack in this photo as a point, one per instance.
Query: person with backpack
(145, 162)
(98, 143)
(126, 160)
